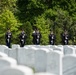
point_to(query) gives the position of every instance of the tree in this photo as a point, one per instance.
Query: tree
(43, 26)
(8, 20)
(28, 29)
(10, 4)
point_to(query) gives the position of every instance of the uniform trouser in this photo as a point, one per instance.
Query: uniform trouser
(22, 43)
(37, 42)
(52, 42)
(8, 44)
(65, 42)
(34, 41)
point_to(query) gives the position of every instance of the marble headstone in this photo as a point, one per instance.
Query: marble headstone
(16, 70)
(2, 48)
(54, 62)
(7, 61)
(26, 57)
(43, 74)
(13, 53)
(68, 50)
(15, 46)
(69, 65)
(40, 60)
(3, 54)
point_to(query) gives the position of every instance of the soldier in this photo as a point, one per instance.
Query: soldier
(8, 36)
(65, 38)
(22, 38)
(38, 37)
(51, 38)
(34, 37)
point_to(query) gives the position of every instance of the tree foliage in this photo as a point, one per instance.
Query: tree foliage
(46, 15)
(8, 20)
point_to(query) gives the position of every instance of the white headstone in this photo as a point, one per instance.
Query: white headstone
(40, 60)
(69, 65)
(60, 45)
(15, 46)
(16, 70)
(7, 61)
(43, 74)
(58, 48)
(34, 48)
(54, 62)
(3, 54)
(2, 48)
(52, 46)
(26, 47)
(47, 47)
(68, 50)
(13, 53)
(6, 51)
(26, 57)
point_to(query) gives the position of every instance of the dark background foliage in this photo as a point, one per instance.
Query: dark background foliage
(46, 15)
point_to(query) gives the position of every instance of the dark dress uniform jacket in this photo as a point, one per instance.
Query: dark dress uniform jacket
(22, 37)
(65, 39)
(51, 39)
(38, 38)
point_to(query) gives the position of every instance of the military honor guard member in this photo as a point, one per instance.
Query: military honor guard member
(34, 37)
(22, 38)
(8, 36)
(38, 37)
(51, 38)
(65, 38)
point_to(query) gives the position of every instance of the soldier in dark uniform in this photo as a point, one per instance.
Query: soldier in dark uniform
(34, 37)
(65, 38)
(51, 38)
(38, 37)
(8, 36)
(22, 38)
